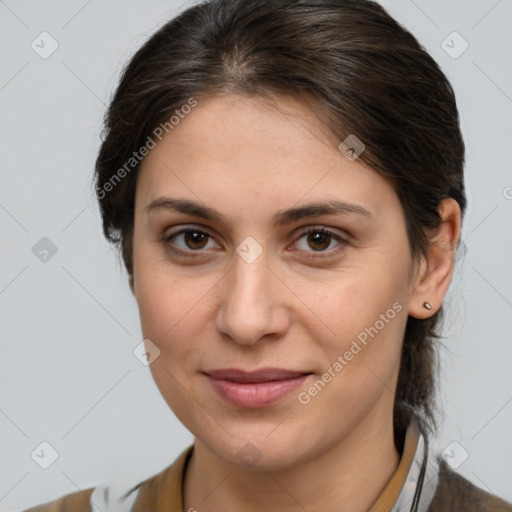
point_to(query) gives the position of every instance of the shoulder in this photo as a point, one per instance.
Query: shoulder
(454, 493)
(75, 502)
(161, 491)
(103, 498)
(114, 496)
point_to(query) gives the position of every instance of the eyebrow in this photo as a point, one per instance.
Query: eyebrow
(282, 217)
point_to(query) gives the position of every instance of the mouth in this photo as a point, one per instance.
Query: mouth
(254, 389)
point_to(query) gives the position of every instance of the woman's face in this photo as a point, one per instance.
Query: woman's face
(247, 288)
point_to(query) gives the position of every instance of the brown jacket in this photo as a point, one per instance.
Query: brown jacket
(455, 493)
(163, 492)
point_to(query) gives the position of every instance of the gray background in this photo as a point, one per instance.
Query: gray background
(69, 325)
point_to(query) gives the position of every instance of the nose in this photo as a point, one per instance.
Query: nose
(252, 305)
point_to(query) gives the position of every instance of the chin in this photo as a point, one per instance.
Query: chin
(255, 449)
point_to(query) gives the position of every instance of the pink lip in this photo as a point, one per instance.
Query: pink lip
(252, 390)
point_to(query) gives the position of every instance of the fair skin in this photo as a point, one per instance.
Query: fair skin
(284, 309)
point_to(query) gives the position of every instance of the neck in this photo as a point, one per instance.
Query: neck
(350, 475)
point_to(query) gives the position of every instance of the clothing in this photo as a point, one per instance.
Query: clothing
(421, 483)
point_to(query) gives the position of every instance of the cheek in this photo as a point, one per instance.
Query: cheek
(172, 309)
(363, 315)
(354, 300)
(164, 295)
(360, 351)
(173, 316)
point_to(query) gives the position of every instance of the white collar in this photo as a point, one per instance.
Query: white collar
(421, 482)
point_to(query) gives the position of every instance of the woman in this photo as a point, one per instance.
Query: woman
(285, 182)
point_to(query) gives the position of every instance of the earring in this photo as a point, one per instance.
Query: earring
(426, 305)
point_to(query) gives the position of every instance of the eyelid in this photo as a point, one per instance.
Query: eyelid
(335, 232)
(187, 227)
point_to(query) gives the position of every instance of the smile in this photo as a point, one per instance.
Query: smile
(253, 390)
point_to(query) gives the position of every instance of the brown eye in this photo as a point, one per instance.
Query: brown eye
(195, 239)
(188, 241)
(319, 240)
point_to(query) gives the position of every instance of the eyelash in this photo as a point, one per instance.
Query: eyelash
(316, 254)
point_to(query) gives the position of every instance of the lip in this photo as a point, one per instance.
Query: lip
(255, 389)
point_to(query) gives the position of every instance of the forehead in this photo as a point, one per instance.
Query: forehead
(254, 152)
(233, 128)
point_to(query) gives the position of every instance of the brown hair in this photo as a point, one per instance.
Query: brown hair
(349, 58)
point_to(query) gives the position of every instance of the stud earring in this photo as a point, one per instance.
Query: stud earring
(426, 305)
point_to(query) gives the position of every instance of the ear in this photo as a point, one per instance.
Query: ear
(436, 268)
